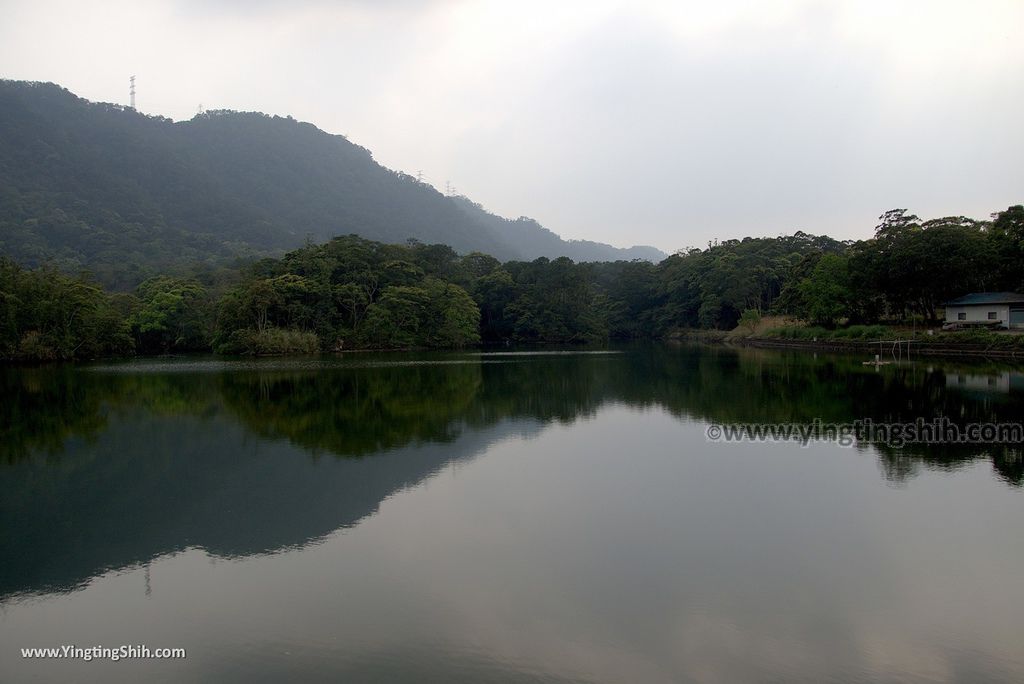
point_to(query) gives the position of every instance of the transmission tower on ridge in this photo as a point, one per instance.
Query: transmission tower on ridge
(131, 92)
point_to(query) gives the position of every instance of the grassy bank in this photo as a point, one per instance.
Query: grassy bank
(779, 332)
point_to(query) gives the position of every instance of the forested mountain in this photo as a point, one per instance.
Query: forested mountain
(125, 195)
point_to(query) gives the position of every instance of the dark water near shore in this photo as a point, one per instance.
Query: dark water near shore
(467, 517)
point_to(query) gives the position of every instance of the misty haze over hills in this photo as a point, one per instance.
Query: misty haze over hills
(103, 187)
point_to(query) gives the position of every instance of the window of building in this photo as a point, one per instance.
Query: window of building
(991, 315)
(961, 316)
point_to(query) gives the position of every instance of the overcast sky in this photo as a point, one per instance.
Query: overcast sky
(665, 123)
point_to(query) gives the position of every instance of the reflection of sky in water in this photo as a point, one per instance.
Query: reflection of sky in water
(620, 548)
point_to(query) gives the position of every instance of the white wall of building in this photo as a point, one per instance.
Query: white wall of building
(978, 313)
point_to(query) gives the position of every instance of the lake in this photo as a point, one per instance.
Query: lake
(509, 517)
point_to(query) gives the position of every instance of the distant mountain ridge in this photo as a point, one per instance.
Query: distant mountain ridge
(537, 241)
(105, 188)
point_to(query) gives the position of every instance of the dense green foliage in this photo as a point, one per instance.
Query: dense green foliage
(45, 315)
(911, 267)
(711, 288)
(130, 196)
(171, 314)
(352, 293)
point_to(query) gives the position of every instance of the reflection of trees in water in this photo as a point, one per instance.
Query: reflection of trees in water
(899, 465)
(354, 412)
(45, 406)
(359, 411)
(42, 408)
(746, 386)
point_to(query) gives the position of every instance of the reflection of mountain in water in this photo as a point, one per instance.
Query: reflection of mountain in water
(106, 470)
(152, 485)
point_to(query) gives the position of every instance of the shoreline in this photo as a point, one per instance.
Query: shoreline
(918, 347)
(715, 338)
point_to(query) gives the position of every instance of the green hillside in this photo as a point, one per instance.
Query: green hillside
(104, 188)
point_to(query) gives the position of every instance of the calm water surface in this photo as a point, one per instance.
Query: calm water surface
(469, 517)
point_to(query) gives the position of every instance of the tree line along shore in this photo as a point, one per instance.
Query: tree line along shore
(352, 293)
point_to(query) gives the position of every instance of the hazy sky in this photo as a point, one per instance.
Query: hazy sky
(666, 123)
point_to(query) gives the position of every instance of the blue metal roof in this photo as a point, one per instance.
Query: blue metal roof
(987, 298)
